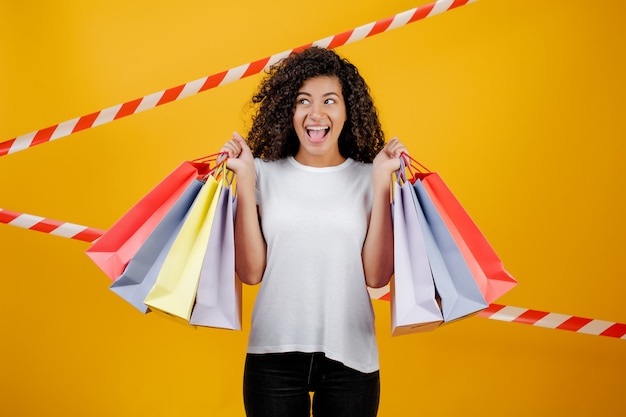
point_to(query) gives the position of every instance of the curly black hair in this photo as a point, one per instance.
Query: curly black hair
(272, 135)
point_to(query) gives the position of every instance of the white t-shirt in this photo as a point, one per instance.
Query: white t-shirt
(313, 297)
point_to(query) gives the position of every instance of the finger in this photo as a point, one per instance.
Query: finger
(236, 144)
(238, 137)
(229, 150)
(395, 148)
(243, 145)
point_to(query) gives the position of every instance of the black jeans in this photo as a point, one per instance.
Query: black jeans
(278, 385)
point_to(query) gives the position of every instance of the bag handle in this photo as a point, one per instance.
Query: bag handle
(207, 159)
(219, 170)
(414, 167)
(401, 172)
(207, 168)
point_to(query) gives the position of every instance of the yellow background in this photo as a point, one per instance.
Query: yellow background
(518, 104)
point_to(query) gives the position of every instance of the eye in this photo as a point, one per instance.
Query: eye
(329, 101)
(303, 101)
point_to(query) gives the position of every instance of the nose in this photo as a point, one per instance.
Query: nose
(317, 111)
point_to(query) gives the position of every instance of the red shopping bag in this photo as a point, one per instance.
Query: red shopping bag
(487, 268)
(115, 248)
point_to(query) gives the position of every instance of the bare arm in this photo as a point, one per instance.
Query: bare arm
(378, 246)
(250, 248)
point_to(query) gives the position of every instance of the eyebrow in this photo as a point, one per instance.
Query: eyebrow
(330, 93)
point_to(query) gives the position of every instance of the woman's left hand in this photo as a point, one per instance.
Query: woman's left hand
(387, 161)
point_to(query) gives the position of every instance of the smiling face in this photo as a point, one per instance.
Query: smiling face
(319, 116)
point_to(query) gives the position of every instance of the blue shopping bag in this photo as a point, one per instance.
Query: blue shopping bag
(458, 291)
(141, 273)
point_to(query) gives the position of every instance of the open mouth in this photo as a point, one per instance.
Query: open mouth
(317, 134)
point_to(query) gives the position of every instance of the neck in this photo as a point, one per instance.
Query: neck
(320, 161)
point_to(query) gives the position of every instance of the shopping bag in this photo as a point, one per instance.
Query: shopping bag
(114, 249)
(458, 291)
(487, 268)
(414, 307)
(218, 300)
(141, 273)
(174, 291)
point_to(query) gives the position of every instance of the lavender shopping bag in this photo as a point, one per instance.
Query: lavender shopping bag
(218, 300)
(414, 306)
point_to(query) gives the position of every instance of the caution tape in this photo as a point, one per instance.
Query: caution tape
(535, 318)
(169, 95)
(498, 312)
(53, 227)
(554, 321)
(74, 231)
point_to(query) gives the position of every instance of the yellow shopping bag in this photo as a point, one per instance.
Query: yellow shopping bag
(174, 291)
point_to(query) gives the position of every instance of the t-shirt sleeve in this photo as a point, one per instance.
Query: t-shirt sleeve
(257, 192)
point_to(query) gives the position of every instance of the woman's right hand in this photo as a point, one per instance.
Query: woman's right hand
(240, 159)
(250, 248)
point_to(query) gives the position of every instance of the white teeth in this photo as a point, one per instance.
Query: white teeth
(316, 128)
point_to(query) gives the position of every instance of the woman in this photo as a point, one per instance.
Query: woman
(313, 224)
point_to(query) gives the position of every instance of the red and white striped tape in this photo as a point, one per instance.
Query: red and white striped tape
(554, 321)
(73, 231)
(119, 111)
(494, 311)
(536, 318)
(53, 227)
